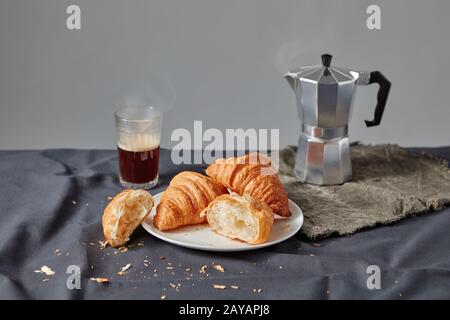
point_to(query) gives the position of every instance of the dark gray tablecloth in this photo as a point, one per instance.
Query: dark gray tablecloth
(51, 204)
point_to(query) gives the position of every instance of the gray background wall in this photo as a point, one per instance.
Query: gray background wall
(217, 61)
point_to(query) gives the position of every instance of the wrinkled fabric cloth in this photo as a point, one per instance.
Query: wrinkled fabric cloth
(389, 183)
(51, 203)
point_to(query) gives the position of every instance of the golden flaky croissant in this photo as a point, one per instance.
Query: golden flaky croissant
(182, 202)
(252, 174)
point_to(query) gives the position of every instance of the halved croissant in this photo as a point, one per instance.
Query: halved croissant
(182, 202)
(124, 214)
(240, 217)
(252, 174)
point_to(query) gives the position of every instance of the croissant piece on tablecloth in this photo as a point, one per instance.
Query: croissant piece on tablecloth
(124, 214)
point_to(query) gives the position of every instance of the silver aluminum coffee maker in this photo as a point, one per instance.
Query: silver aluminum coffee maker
(324, 97)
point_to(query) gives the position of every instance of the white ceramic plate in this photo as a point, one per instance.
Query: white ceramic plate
(201, 237)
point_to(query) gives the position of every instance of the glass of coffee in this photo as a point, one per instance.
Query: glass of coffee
(138, 138)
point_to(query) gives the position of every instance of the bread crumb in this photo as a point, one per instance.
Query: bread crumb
(219, 286)
(57, 252)
(100, 280)
(163, 297)
(234, 287)
(219, 268)
(124, 269)
(103, 244)
(203, 268)
(169, 268)
(312, 255)
(46, 270)
(74, 202)
(123, 249)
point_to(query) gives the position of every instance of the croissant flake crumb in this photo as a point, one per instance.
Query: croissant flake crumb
(219, 268)
(169, 268)
(234, 287)
(45, 280)
(74, 202)
(123, 249)
(103, 244)
(124, 269)
(46, 270)
(100, 280)
(316, 244)
(203, 268)
(175, 286)
(58, 252)
(163, 297)
(312, 255)
(219, 286)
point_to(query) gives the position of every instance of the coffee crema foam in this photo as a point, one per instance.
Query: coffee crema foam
(138, 142)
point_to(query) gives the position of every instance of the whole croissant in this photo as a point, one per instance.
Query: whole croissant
(182, 202)
(252, 174)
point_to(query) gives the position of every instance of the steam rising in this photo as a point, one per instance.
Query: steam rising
(149, 88)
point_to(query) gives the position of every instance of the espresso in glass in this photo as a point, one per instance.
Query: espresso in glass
(138, 166)
(138, 137)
